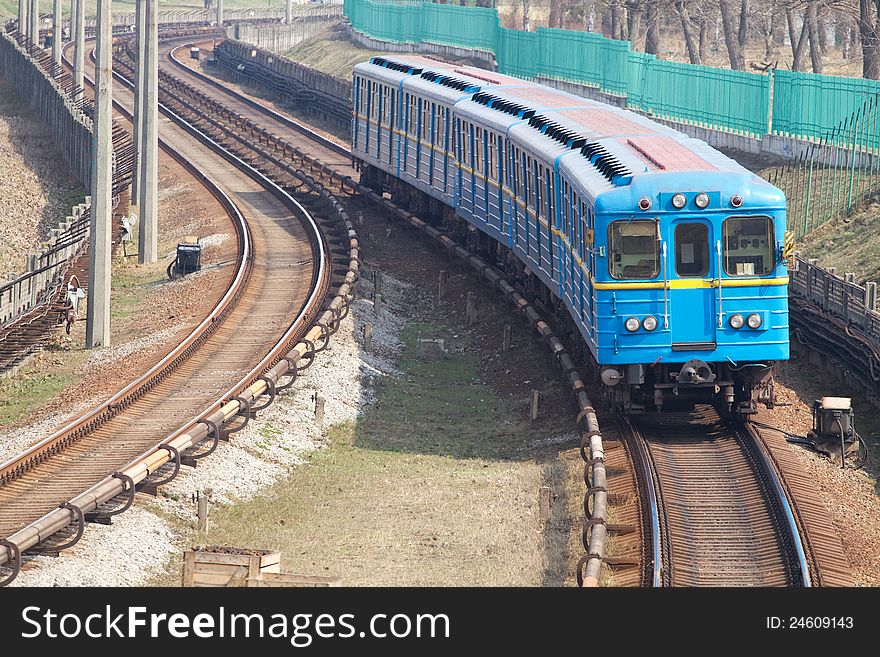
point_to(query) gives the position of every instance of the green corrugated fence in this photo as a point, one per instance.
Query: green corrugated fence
(812, 105)
(804, 104)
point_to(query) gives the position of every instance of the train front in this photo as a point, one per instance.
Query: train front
(691, 290)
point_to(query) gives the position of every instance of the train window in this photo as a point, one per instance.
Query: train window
(692, 249)
(748, 246)
(491, 157)
(634, 249)
(426, 120)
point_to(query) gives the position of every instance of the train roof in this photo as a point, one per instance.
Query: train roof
(606, 147)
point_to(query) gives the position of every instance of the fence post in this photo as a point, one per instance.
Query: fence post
(871, 295)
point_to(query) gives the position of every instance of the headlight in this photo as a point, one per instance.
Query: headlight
(754, 321)
(644, 203)
(736, 200)
(736, 321)
(702, 200)
(679, 201)
(649, 323)
(632, 325)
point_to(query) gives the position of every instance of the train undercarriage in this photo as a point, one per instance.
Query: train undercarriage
(632, 389)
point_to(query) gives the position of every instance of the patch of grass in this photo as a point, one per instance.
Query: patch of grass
(432, 486)
(24, 394)
(130, 284)
(455, 413)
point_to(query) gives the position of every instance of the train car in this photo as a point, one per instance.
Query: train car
(664, 252)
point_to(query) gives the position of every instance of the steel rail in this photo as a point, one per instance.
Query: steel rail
(249, 388)
(785, 502)
(591, 441)
(268, 111)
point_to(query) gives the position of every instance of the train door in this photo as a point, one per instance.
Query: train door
(692, 287)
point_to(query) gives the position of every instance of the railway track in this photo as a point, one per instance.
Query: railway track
(276, 315)
(713, 504)
(721, 518)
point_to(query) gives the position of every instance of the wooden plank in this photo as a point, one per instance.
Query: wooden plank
(188, 563)
(269, 559)
(254, 566)
(238, 578)
(206, 579)
(213, 557)
(216, 568)
(292, 580)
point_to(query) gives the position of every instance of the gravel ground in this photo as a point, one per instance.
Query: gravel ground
(106, 556)
(17, 440)
(851, 496)
(140, 542)
(34, 191)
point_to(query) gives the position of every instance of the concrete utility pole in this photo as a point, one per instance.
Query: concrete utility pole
(140, 43)
(56, 32)
(148, 189)
(34, 30)
(79, 38)
(288, 12)
(23, 8)
(219, 13)
(98, 318)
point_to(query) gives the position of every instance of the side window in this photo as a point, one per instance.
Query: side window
(539, 190)
(634, 250)
(692, 249)
(493, 173)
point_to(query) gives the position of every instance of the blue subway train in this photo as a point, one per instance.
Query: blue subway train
(665, 253)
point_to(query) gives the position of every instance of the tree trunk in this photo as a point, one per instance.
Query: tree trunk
(868, 30)
(822, 31)
(633, 19)
(742, 33)
(730, 36)
(652, 34)
(615, 20)
(797, 44)
(527, 23)
(692, 46)
(704, 38)
(555, 19)
(813, 29)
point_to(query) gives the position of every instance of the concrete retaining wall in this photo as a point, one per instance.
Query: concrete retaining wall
(70, 127)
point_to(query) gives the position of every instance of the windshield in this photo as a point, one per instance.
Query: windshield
(748, 246)
(634, 249)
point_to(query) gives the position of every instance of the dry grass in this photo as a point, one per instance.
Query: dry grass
(437, 484)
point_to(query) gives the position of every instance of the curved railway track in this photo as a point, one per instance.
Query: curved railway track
(269, 325)
(718, 504)
(719, 515)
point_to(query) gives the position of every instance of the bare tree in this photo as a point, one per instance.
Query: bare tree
(693, 46)
(555, 19)
(798, 43)
(813, 30)
(527, 23)
(734, 51)
(704, 37)
(743, 31)
(633, 18)
(652, 25)
(869, 30)
(616, 23)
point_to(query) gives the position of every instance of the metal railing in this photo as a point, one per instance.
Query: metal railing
(840, 296)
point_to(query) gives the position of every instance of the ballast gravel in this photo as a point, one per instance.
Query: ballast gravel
(140, 542)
